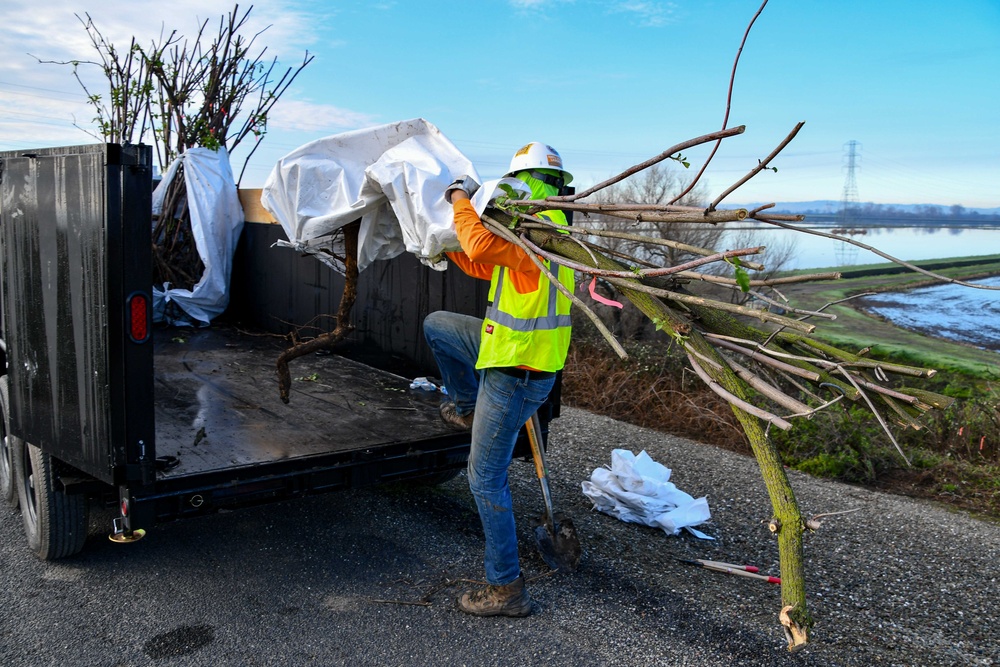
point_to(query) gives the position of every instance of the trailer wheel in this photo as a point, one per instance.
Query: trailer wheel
(8, 488)
(55, 522)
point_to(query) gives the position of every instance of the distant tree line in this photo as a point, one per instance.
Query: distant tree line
(870, 211)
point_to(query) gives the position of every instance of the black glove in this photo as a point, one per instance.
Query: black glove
(465, 183)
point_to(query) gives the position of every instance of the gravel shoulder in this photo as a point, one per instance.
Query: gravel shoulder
(370, 576)
(897, 582)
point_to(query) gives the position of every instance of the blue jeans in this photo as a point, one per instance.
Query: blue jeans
(502, 404)
(454, 341)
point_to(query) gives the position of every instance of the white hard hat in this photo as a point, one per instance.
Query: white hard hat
(537, 155)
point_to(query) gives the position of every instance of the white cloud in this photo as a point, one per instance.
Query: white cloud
(55, 29)
(34, 117)
(646, 13)
(649, 14)
(298, 115)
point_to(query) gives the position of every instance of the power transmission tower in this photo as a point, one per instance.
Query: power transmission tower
(849, 203)
(847, 253)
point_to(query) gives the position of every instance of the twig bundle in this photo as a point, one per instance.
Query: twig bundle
(715, 334)
(179, 94)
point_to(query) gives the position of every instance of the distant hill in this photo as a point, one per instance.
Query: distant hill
(831, 206)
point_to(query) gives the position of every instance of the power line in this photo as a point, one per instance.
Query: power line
(63, 93)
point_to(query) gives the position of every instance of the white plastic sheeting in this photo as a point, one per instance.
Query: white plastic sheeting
(391, 177)
(637, 489)
(216, 223)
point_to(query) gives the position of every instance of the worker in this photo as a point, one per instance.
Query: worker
(499, 370)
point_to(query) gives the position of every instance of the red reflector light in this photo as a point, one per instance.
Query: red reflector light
(124, 507)
(138, 321)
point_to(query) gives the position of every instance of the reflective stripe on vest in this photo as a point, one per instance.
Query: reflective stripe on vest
(550, 320)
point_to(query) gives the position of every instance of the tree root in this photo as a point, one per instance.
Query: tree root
(343, 328)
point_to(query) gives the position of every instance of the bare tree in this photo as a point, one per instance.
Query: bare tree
(659, 184)
(774, 260)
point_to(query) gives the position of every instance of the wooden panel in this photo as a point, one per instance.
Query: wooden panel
(277, 289)
(252, 209)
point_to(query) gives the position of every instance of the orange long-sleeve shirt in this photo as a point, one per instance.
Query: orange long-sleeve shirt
(482, 250)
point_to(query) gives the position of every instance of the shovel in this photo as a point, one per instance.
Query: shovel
(556, 537)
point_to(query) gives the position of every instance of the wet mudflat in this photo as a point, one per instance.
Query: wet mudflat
(955, 312)
(369, 577)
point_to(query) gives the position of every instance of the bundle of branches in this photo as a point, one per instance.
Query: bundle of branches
(211, 92)
(201, 90)
(176, 259)
(222, 77)
(766, 365)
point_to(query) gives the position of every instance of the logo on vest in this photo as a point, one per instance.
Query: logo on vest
(489, 328)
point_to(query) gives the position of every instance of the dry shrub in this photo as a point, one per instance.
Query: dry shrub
(650, 389)
(954, 457)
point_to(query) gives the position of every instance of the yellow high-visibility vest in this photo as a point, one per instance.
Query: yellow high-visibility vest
(530, 329)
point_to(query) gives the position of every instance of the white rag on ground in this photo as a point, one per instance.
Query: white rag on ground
(391, 177)
(637, 489)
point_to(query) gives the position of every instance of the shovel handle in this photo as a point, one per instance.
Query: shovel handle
(534, 430)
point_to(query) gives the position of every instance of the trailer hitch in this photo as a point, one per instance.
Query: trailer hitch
(122, 531)
(122, 534)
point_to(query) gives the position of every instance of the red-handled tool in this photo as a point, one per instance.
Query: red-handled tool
(739, 570)
(716, 563)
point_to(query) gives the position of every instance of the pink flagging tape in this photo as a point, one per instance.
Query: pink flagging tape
(600, 299)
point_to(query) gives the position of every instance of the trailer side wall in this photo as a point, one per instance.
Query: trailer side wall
(65, 277)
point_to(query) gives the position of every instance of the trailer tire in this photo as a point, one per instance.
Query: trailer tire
(55, 522)
(8, 487)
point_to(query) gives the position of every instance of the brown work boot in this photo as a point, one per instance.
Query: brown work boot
(509, 600)
(449, 413)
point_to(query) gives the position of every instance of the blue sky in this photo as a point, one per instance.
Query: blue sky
(609, 84)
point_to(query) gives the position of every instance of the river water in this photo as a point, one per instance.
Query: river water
(907, 243)
(949, 311)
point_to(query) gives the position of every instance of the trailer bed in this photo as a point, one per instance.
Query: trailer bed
(217, 405)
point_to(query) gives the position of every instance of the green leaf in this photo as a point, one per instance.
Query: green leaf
(680, 158)
(742, 279)
(506, 187)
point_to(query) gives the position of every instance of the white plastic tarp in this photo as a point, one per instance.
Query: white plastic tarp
(216, 222)
(637, 489)
(391, 177)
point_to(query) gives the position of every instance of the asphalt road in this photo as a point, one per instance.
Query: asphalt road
(369, 577)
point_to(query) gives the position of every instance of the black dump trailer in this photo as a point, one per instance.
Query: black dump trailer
(101, 406)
